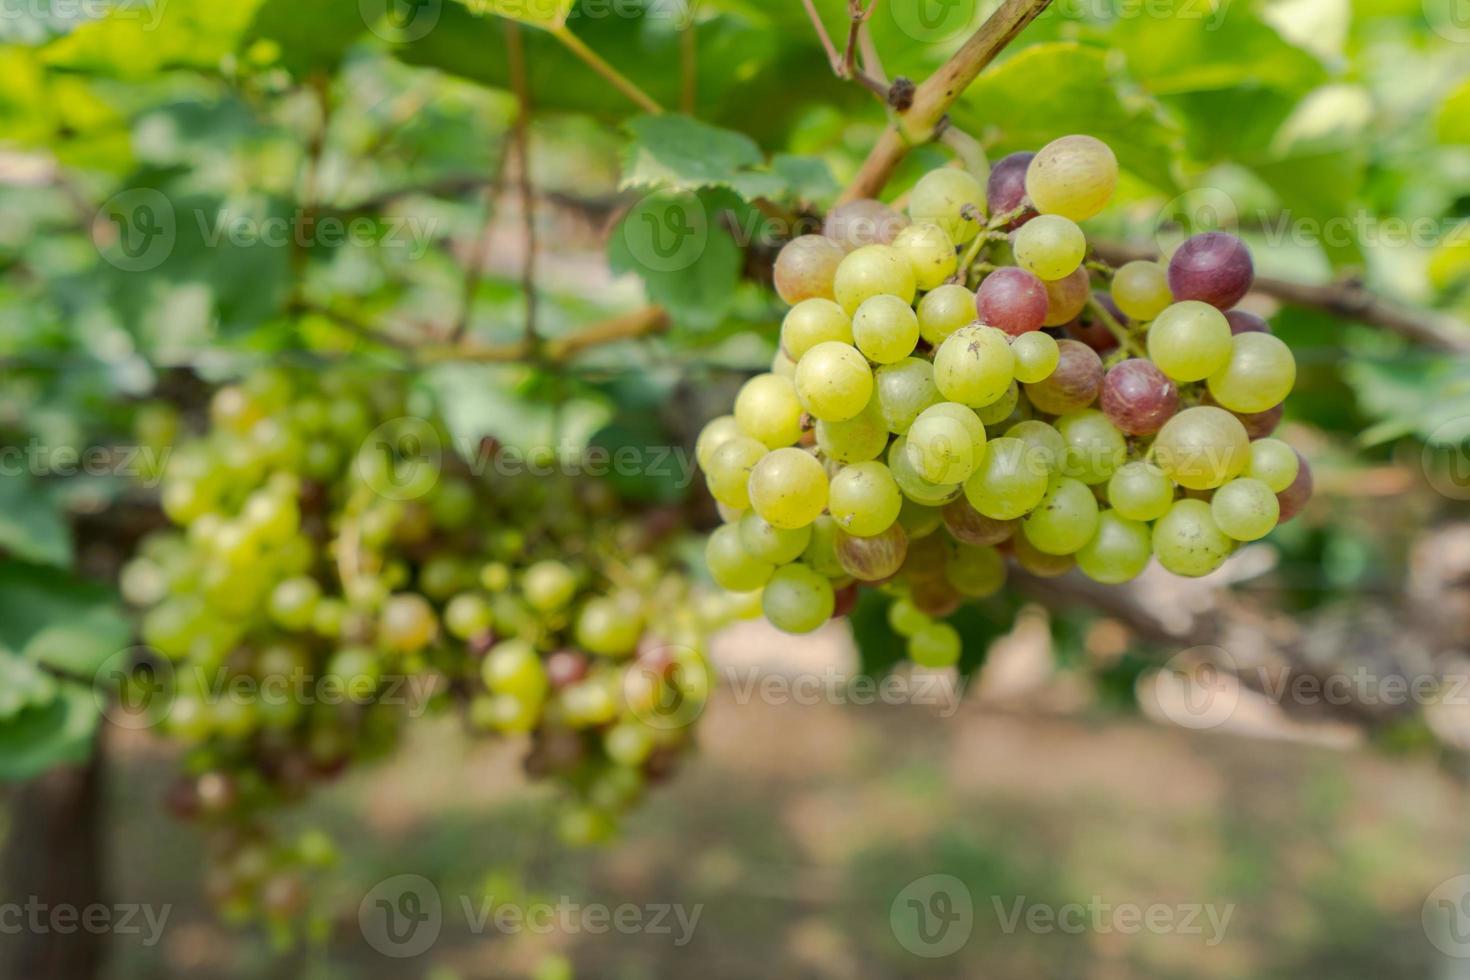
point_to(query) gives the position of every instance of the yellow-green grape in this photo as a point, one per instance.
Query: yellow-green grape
(776, 545)
(833, 382)
(930, 253)
(468, 615)
(513, 668)
(1039, 562)
(976, 571)
(783, 366)
(1002, 408)
(1188, 542)
(1064, 520)
(798, 599)
(942, 197)
(1009, 481)
(855, 440)
(914, 486)
(1202, 447)
(864, 499)
(1036, 355)
(1189, 341)
(885, 329)
(1141, 289)
(1140, 491)
(805, 268)
(1245, 509)
(903, 391)
(906, 618)
(609, 626)
(293, 602)
(1049, 247)
(1045, 447)
(943, 311)
(821, 550)
(873, 270)
(1095, 447)
(768, 409)
(731, 565)
(728, 472)
(917, 520)
(788, 488)
(974, 366)
(628, 744)
(1258, 375)
(1073, 176)
(407, 623)
(1118, 552)
(1274, 463)
(812, 321)
(946, 443)
(935, 645)
(549, 586)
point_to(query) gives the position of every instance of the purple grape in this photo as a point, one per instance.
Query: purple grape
(968, 525)
(1006, 189)
(1295, 497)
(1214, 267)
(873, 559)
(1137, 398)
(935, 597)
(1074, 384)
(1244, 321)
(1258, 425)
(1013, 300)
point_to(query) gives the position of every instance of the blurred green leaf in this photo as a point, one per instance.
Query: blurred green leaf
(58, 621)
(59, 732)
(548, 14)
(32, 524)
(1454, 116)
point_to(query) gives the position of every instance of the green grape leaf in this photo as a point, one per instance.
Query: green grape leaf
(1409, 396)
(312, 34)
(22, 685)
(548, 14)
(510, 404)
(685, 154)
(58, 732)
(60, 622)
(138, 40)
(688, 262)
(32, 525)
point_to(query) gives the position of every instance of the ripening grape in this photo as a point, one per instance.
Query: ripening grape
(1005, 190)
(728, 472)
(1037, 355)
(1118, 552)
(1244, 321)
(731, 564)
(943, 311)
(1189, 341)
(885, 329)
(407, 623)
(1073, 176)
(1140, 491)
(863, 499)
(1074, 384)
(1012, 300)
(974, 366)
(797, 599)
(1259, 425)
(1064, 520)
(968, 526)
(855, 440)
(1045, 446)
(930, 254)
(1245, 509)
(812, 321)
(1049, 246)
(913, 485)
(1274, 463)
(905, 617)
(1039, 562)
(788, 488)
(1095, 447)
(918, 520)
(904, 390)
(1141, 289)
(946, 443)
(806, 267)
(1202, 447)
(1258, 375)
(1002, 408)
(833, 383)
(1137, 397)
(935, 645)
(946, 197)
(1009, 481)
(873, 270)
(1214, 267)
(776, 545)
(767, 409)
(863, 222)
(1295, 497)
(821, 550)
(976, 571)
(1066, 298)
(1187, 541)
(872, 558)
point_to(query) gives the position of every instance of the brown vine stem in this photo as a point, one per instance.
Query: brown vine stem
(844, 63)
(939, 91)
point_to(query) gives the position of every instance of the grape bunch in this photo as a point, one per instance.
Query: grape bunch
(914, 433)
(329, 577)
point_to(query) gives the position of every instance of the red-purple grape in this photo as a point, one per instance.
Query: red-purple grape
(1013, 300)
(968, 525)
(1295, 497)
(873, 559)
(1258, 425)
(863, 222)
(1244, 321)
(1006, 189)
(935, 596)
(1138, 398)
(1066, 298)
(1075, 382)
(1214, 267)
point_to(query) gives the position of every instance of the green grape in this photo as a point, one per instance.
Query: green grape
(1118, 552)
(1064, 520)
(468, 615)
(974, 366)
(609, 627)
(1189, 341)
(1073, 176)
(935, 645)
(728, 473)
(1036, 355)
(930, 253)
(1274, 463)
(768, 409)
(798, 599)
(453, 504)
(905, 618)
(1009, 481)
(1002, 408)
(1049, 247)
(811, 322)
(513, 668)
(442, 576)
(864, 499)
(1039, 562)
(1258, 375)
(407, 623)
(833, 381)
(943, 311)
(549, 586)
(873, 270)
(1245, 509)
(1140, 491)
(1141, 289)
(821, 550)
(913, 485)
(943, 445)
(776, 545)
(942, 197)
(628, 744)
(1046, 450)
(976, 571)
(293, 602)
(788, 488)
(885, 329)
(1188, 542)
(904, 390)
(918, 520)
(1202, 447)
(1095, 447)
(731, 564)
(856, 440)
(783, 366)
